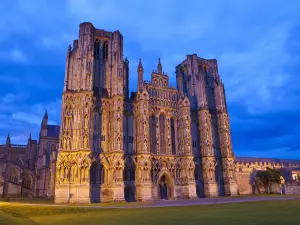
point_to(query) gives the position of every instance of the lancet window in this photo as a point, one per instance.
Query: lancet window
(162, 122)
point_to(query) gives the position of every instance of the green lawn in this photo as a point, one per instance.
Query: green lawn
(263, 213)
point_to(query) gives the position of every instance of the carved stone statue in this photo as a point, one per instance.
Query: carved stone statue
(86, 122)
(64, 143)
(85, 141)
(118, 143)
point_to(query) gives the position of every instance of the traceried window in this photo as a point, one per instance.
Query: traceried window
(48, 159)
(97, 48)
(27, 181)
(162, 122)
(101, 174)
(105, 50)
(93, 173)
(152, 125)
(173, 136)
(129, 173)
(100, 49)
(97, 173)
(14, 176)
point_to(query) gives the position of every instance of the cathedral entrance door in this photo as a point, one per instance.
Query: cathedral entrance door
(165, 187)
(165, 191)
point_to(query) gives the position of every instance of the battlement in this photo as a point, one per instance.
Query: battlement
(15, 146)
(155, 72)
(266, 162)
(18, 146)
(87, 28)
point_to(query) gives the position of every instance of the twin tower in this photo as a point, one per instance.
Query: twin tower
(159, 143)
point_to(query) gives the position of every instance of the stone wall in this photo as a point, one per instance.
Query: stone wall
(292, 189)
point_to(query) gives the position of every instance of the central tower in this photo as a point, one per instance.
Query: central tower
(96, 83)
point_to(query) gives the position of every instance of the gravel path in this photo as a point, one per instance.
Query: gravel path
(170, 203)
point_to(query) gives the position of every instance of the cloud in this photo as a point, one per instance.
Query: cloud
(57, 41)
(20, 118)
(18, 56)
(26, 117)
(15, 55)
(254, 76)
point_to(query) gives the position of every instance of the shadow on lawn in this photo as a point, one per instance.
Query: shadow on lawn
(14, 218)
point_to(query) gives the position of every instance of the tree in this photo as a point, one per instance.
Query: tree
(268, 177)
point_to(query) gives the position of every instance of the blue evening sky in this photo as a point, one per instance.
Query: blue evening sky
(256, 43)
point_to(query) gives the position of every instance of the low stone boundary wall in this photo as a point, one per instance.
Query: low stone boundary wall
(292, 189)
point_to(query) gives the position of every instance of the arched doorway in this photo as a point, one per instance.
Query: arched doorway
(165, 186)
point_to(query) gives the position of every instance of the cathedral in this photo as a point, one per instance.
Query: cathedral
(160, 142)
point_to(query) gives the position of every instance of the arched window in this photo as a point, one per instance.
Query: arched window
(152, 124)
(162, 122)
(14, 176)
(93, 173)
(129, 172)
(48, 159)
(27, 181)
(97, 48)
(101, 174)
(173, 136)
(19, 161)
(105, 50)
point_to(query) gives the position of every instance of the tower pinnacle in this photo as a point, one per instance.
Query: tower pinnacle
(159, 67)
(140, 66)
(45, 119)
(140, 71)
(8, 139)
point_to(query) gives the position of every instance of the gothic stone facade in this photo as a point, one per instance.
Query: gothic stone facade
(27, 170)
(159, 143)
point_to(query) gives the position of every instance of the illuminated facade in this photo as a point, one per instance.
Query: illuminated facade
(160, 142)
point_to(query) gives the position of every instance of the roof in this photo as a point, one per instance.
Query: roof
(53, 131)
(270, 160)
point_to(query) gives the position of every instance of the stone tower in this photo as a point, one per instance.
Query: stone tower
(198, 79)
(96, 83)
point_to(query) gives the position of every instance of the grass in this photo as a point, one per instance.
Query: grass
(264, 195)
(264, 212)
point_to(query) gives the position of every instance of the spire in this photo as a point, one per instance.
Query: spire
(8, 139)
(140, 71)
(29, 136)
(159, 67)
(140, 66)
(45, 119)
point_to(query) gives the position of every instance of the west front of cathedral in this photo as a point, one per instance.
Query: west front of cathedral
(159, 142)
